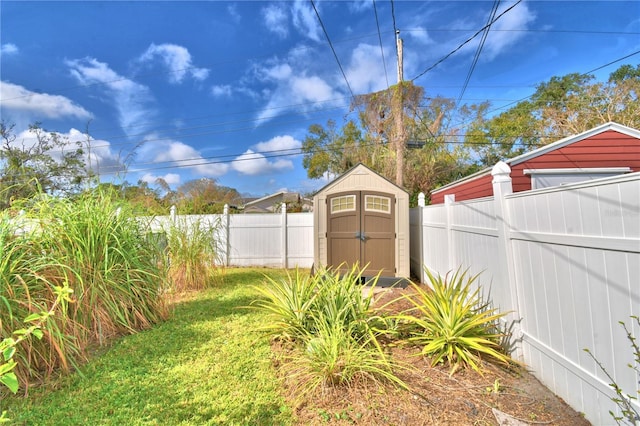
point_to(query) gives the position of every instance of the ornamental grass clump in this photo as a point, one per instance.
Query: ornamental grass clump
(193, 254)
(29, 277)
(452, 323)
(114, 272)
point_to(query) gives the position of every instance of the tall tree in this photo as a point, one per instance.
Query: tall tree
(430, 161)
(44, 161)
(205, 196)
(329, 151)
(560, 107)
(387, 115)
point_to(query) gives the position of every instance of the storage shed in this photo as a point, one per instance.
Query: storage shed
(607, 150)
(362, 218)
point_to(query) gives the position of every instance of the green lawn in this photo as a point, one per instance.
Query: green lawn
(206, 365)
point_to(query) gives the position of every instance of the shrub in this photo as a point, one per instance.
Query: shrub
(452, 323)
(336, 356)
(300, 303)
(290, 303)
(331, 320)
(8, 345)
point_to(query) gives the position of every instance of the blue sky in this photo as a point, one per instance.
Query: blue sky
(227, 90)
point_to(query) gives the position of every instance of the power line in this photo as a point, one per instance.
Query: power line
(384, 63)
(332, 49)
(492, 15)
(465, 42)
(583, 74)
(395, 28)
(527, 30)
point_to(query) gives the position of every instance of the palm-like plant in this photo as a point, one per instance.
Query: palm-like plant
(329, 315)
(289, 302)
(452, 323)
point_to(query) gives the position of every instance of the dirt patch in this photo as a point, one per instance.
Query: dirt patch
(436, 398)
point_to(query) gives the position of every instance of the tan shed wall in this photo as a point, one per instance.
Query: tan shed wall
(363, 179)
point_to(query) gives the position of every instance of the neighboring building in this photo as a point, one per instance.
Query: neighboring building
(607, 150)
(271, 203)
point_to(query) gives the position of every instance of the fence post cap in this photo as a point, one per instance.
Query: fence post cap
(501, 172)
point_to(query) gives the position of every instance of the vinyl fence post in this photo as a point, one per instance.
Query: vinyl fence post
(421, 205)
(285, 254)
(225, 226)
(172, 214)
(449, 199)
(502, 186)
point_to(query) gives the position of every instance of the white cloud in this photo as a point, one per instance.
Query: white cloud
(37, 105)
(365, 72)
(170, 178)
(306, 21)
(221, 91)
(98, 155)
(279, 72)
(8, 49)
(279, 143)
(501, 36)
(418, 34)
(179, 154)
(289, 91)
(132, 100)
(253, 163)
(232, 10)
(177, 59)
(360, 5)
(275, 19)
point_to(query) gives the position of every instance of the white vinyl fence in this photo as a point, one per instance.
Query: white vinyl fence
(565, 261)
(258, 239)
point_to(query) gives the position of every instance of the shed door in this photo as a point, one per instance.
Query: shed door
(361, 229)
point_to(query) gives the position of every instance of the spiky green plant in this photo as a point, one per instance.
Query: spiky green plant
(298, 303)
(330, 317)
(289, 302)
(335, 356)
(452, 323)
(342, 299)
(193, 254)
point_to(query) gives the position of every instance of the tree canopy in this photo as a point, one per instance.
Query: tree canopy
(443, 143)
(40, 162)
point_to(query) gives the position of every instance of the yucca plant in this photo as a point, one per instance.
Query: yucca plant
(193, 255)
(334, 356)
(329, 315)
(289, 303)
(452, 323)
(298, 303)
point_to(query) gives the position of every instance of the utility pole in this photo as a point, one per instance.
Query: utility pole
(398, 116)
